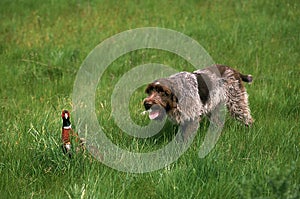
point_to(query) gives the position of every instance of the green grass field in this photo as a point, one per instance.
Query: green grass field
(42, 46)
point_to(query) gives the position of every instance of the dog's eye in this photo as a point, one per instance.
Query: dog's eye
(157, 90)
(165, 94)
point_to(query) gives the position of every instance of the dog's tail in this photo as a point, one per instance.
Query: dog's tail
(246, 78)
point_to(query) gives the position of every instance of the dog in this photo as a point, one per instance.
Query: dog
(186, 97)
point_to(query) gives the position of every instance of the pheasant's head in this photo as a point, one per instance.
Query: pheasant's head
(66, 118)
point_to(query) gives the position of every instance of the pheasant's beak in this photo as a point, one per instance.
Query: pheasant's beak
(66, 115)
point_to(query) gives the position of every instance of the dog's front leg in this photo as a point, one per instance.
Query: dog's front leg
(188, 130)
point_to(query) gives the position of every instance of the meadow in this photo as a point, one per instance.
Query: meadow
(42, 46)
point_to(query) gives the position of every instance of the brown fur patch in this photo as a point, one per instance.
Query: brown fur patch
(161, 95)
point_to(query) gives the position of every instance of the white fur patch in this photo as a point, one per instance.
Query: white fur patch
(68, 146)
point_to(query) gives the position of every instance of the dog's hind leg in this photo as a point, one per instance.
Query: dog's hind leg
(238, 105)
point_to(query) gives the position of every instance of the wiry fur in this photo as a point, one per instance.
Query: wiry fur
(188, 96)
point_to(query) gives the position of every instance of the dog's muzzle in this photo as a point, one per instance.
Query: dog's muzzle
(155, 111)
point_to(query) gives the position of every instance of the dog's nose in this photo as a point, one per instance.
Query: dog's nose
(147, 105)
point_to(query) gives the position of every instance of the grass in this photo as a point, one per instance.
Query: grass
(42, 45)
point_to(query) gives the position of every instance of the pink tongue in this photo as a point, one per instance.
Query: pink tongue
(153, 114)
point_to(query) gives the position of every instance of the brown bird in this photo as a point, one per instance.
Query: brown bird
(66, 132)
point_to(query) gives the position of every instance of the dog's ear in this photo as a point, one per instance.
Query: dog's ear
(165, 89)
(174, 99)
(170, 94)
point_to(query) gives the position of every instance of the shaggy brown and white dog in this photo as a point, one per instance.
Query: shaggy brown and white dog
(186, 97)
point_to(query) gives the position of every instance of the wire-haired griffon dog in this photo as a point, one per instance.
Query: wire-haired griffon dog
(186, 97)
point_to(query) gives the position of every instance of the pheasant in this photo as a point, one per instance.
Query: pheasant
(67, 132)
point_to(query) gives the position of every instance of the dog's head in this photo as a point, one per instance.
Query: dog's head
(160, 100)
